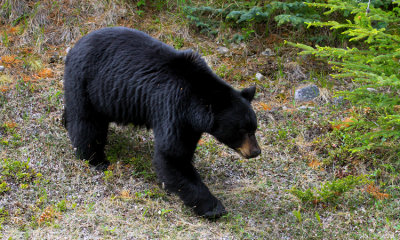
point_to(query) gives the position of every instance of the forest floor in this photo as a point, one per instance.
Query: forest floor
(46, 193)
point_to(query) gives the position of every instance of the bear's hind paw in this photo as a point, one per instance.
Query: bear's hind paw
(101, 166)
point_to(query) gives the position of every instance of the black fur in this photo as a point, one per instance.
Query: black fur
(125, 76)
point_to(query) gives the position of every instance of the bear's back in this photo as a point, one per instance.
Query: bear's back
(116, 45)
(130, 77)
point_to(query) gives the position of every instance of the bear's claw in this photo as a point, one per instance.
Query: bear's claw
(217, 212)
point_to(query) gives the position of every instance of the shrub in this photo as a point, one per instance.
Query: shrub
(328, 192)
(373, 67)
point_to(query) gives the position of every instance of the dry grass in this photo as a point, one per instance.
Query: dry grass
(69, 200)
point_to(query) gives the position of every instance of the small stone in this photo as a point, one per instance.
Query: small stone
(222, 50)
(67, 50)
(2, 68)
(307, 93)
(305, 108)
(372, 89)
(259, 76)
(268, 52)
(54, 58)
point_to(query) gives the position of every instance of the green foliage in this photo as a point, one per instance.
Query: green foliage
(329, 192)
(3, 187)
(294, 13)
(318, 218)
(150, 193)
(298, 216)
(373, 66)
(204, 18)
(142, 168)
(108, 175)
(62, 206)
(246, 13)
(18, 171)
(3, 215)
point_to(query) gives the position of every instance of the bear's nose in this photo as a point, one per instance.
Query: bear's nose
(254, 152)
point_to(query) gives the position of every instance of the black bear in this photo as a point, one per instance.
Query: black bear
(123, 75)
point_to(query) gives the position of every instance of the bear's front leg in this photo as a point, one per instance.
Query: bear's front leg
(174, 168)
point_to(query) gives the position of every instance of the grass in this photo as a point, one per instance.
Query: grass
(45, 193)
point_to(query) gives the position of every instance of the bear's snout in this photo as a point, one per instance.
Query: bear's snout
(249, 147)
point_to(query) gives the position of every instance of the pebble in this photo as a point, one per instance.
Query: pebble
(268, 52)
(259, 76)
(305, 108)
(222, 50)
(2, 68)
(307, 93)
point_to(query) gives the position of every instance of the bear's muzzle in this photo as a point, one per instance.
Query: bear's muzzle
(249, 147)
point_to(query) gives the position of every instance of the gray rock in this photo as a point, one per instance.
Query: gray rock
(371, 89)
(259, 76)
(2, 68)
(307, 93)
(268, 52)
(222, 50)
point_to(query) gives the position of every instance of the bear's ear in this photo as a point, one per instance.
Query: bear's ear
(248, 93)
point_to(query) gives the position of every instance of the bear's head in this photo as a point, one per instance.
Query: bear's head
(235, 125)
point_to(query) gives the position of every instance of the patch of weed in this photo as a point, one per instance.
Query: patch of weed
(3, 216)
(330, 191)
(3, 186)
(48, 215)
(142, 167)
(17, 171)
(108, 175)
(153, 193)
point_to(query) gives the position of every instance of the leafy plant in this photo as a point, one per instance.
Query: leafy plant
(17, 171)
(328, 192)
(298, 216)
(3, 187)
(108, 175)
(246, 13)
(62, 206)
(3, 215)
(142, 168)
(48, 215)
(373, 66)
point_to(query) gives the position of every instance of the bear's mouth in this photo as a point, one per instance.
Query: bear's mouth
(247, 154)
(241, 153)
(249, 148)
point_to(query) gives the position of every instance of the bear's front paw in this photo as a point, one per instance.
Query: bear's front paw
(102, 166)
(211, 211)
